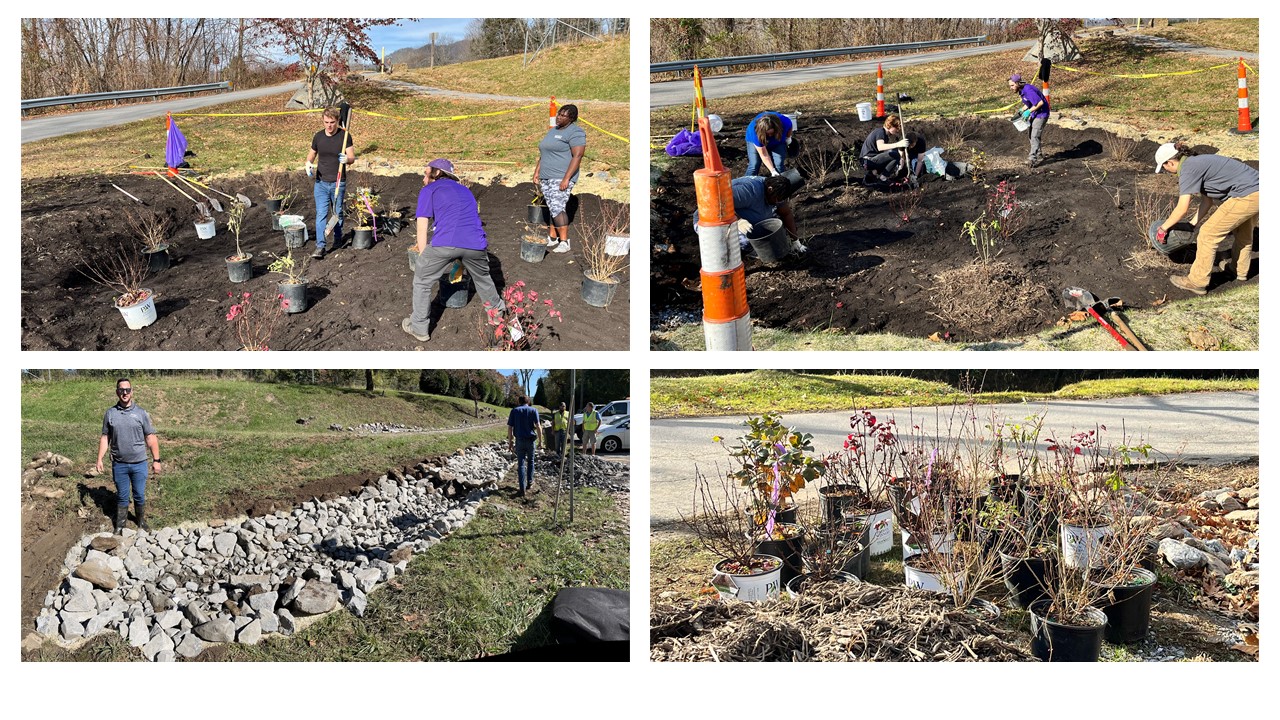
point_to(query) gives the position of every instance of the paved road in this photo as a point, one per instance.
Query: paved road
(1203, 428)
(52, 126)
(680, 92)
(1153, 41)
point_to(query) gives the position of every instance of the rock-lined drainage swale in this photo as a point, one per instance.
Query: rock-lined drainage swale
(589, 471)
(175, 591)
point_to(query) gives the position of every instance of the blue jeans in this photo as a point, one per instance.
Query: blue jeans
(754, 162)
(130, 476)
(560, 435)
(324, 200)
(524, 462)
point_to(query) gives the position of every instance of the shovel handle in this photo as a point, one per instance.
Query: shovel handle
(175, 187)
(1119, 338)
(1127, 331)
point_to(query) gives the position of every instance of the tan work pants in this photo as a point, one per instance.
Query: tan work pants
(1235, 216)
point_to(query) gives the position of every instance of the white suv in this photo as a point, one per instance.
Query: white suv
(611, 414)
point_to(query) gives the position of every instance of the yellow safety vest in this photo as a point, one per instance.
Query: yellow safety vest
(590, 421)
(558, 420)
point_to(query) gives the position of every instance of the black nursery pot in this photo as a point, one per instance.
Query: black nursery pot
(789, 551)
(834, 506)
(1026, 578)
(1055, 642)
(158, 259)
(1128, 609)
(273, 204)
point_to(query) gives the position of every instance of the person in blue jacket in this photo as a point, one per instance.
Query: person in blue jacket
(768, 135)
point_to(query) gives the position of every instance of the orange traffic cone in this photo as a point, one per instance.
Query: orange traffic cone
(551, 121)
(1243, 122)
(879, 90)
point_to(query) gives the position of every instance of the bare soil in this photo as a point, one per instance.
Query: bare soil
(356, 298)
(869, 270)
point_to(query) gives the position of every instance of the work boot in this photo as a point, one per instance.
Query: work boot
(318, 254)
(407, 325)
(122, 515)
(142, 516)
(1184, 282)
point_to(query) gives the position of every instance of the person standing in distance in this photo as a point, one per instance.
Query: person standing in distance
(524, 434)
(1035, 110)
(329, 149)
(128, 433)
(590, 423)
(559, 422)
(560, 155)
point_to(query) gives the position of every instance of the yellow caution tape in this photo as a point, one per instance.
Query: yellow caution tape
(1143, 76)
(1249, 67)
(606, 132)
(449, 118)
(1002, 109)
(282, 112)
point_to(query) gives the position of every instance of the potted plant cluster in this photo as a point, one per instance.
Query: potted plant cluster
(603, 264)
(239, 268)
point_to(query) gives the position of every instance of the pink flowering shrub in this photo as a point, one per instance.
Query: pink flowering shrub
(523, 324)
(254, 325)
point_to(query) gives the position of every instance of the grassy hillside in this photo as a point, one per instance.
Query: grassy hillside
(591, 70)
(225, 437)
(774, 391)
(1239, 34)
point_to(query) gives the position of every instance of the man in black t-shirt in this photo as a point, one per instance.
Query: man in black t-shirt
(330, 148)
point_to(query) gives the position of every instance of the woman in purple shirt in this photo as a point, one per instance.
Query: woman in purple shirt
(1035, 110)
(458, 235)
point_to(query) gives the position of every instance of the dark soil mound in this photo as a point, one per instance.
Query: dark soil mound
(869, 270)
(356, 297)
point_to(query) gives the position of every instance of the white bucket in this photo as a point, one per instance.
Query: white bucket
(1021, 124)
(864, 111)
(206, 230)
(749, 588)
(140, 314)
(795, 120)
(617, 245)
(1080, 545)
(942, 542)
(929, 581)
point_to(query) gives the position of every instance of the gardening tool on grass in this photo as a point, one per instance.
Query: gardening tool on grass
(212, 200)
(1084, 300)
(337, 187)
(1113, 306)
(238, 197)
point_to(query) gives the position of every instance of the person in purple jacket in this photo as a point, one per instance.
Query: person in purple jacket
(768, 135)
(458, 234)
(1035, 110)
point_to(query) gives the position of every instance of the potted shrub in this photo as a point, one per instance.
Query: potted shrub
(276, 186)
(278, 217)
(239, 268)
(122, 269)
(206, 227)
(722, 528)
(524, 324)
(1125, 586)
(364, 206)
(153, 230)
(831, 552)
(293, 288)
(602, 264)
(533, 245)
(859, 474)
(539, 213)
(773, 464)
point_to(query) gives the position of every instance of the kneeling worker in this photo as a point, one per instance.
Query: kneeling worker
(756, 199)
(883, 151)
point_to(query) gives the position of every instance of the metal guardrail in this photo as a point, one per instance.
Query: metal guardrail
(120, 95)
(679, 65)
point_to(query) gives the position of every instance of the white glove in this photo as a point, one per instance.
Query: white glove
(342, 158)
(744, 226)
(775, 172)
(798, 247)
(311, 169)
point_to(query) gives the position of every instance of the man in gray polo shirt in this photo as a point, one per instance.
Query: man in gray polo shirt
(127, 431)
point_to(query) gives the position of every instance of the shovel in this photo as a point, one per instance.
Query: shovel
(239, 197)
(212, 200)
(200, 207)
(1084, 300)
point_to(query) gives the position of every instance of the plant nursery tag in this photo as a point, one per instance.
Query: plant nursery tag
(724, 584)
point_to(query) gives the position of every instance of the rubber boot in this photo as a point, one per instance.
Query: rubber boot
(142, 517)
(122, 514)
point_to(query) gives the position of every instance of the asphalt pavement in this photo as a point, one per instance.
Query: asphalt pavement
(1194, 428)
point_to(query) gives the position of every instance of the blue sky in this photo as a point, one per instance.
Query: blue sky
(536, 374)
(416, 33)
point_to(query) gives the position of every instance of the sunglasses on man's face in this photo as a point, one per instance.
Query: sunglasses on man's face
(123, 391)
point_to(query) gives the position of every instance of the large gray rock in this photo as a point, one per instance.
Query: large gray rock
(80, 601)
(217, 630)
(250, 634)
(316, 598)
(287, 624)
(190, 646)
(169, 619)
(270, 622)
(196, 614)
(70, 629)
(1180, 555)
(263, 603)
(291, 593)
(224, 544)
(367, 578)
(138, 633)
(156, 645)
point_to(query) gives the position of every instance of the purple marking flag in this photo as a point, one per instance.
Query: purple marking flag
(175, 146)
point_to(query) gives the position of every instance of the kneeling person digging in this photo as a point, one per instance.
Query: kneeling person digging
(756, 199)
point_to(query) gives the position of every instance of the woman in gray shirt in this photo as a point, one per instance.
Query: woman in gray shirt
(559, 157)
